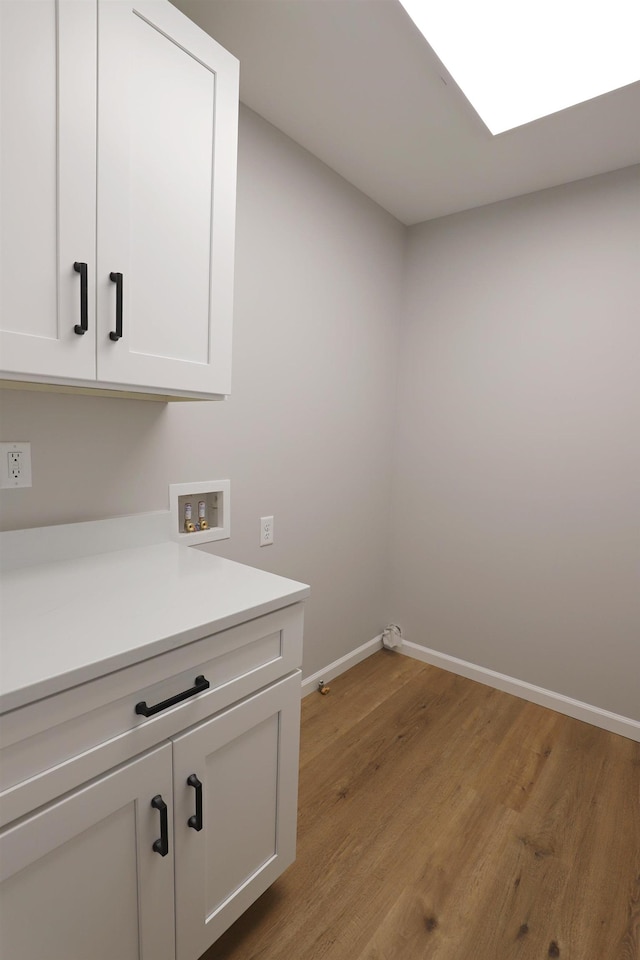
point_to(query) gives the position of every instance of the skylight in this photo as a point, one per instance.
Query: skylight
(517, 61)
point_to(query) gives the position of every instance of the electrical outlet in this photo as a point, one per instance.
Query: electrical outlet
(266, 531)
(15, 465)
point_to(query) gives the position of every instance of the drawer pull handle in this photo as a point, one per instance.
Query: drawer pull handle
(161, 846)
(195, 822)
(82, 327)
(199, 684)
(117, 279)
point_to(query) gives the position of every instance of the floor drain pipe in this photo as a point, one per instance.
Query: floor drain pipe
(392, 636)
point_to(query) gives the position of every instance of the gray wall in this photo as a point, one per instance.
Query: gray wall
(516, 538)
(306, 433)
(515, 541)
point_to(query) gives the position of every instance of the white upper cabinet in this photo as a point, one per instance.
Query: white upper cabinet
(47, 186)
(164, 106)
(159, 287)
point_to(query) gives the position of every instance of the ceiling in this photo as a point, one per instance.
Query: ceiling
(355, 83)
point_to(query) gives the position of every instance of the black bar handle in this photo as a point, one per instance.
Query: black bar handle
(83, 326)
(117, 279)
(195, 822)
(200, 684)
(161, 846)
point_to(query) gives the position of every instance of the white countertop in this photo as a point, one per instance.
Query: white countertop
(65, 622)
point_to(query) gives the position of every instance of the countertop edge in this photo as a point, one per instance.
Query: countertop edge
(59, 683)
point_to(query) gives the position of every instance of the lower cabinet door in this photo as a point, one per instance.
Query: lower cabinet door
(235, 811)
(80, 880)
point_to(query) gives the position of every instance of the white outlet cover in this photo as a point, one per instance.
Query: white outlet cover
(7, 480)
(266, 531)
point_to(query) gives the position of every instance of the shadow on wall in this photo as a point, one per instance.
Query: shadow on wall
(92, 457)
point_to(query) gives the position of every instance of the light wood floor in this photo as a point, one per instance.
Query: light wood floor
(442, 819)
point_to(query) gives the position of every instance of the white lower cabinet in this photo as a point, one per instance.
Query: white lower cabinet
(246, 762)
(155, 858)
(80, 878)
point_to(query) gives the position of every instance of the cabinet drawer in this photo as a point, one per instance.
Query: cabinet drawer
(52, 746)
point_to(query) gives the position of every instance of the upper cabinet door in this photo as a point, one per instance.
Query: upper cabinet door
(167, 144)
(47, 187)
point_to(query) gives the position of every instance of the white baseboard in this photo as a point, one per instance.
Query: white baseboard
(339, 666)
(613, 722)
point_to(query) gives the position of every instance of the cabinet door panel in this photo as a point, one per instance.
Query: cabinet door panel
(250, 759)
(166, 140)
(47, 185)
(80, 879)
(247, 761)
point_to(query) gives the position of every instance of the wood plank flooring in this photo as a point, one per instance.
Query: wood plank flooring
(442, 819)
